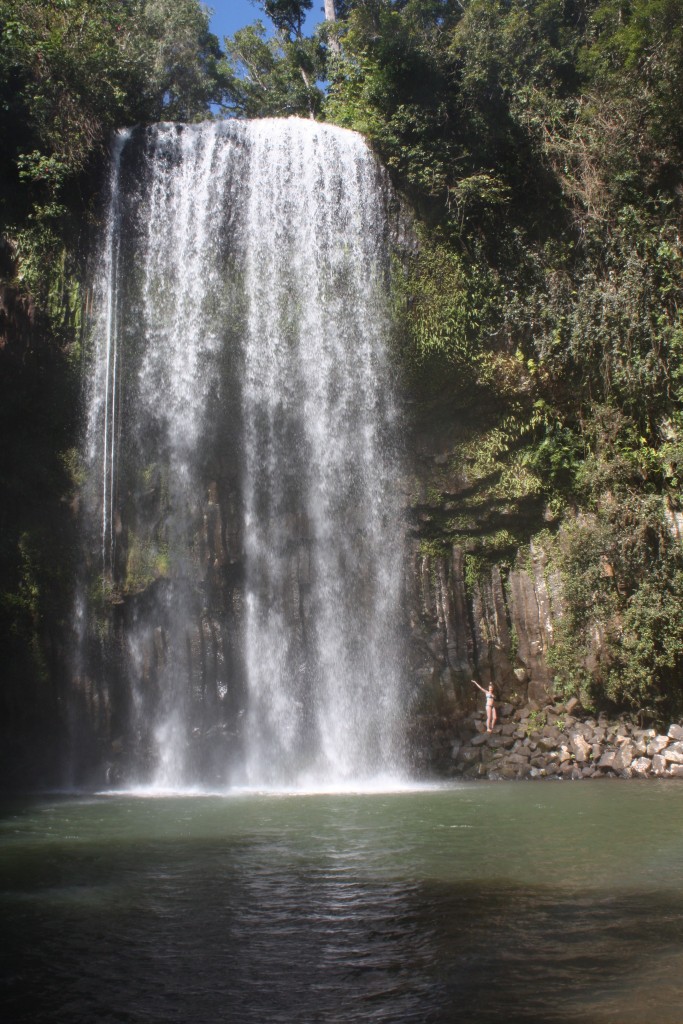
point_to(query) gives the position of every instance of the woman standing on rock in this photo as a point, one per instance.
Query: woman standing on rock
(491, 713)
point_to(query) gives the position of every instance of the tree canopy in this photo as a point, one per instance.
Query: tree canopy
(71, 70)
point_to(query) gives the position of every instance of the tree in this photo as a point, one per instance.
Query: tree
(331, 17)
(271, 77)
(71, 71)
(287, 15)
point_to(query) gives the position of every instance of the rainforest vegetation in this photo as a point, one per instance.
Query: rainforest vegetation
(540, 145)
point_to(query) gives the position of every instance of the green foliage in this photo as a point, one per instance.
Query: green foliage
(454, 96)
(634, 53)
(649, 647)
(433, 549)
(146, 562)
(621, 636)
(540, 143)
(272, 77)
(448, 305)
(72, 70)
(287, 15)
(536, 722)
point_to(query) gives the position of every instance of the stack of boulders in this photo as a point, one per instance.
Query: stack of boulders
(557, 741)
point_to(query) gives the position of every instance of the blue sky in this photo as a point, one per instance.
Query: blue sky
(229, 15)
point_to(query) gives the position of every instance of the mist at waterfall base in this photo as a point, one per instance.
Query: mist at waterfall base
(239, 617)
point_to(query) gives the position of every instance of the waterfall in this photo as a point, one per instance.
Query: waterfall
(243, 478)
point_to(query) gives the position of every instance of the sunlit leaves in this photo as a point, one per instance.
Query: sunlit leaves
(272, 76)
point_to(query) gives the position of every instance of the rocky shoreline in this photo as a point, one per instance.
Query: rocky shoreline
(555, 740)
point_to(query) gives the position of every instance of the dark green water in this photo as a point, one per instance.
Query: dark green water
(531, 903)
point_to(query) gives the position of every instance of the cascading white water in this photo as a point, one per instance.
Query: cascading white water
(241, 378)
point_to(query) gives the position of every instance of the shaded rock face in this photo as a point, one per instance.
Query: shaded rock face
(500, 631)
(469, 616)
(38, 421)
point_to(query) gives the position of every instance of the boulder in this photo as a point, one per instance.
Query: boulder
(579, 746)
(674, 752)
(676, 732)
(656, 745)
(658, 765)
(607, 759)
(469, 754)
(478, 740)
(641, 766)
(624, 756)
(518, 758)
(676, 771)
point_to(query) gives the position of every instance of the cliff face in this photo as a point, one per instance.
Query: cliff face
(496, 624)
(37, 424)
(471, 612)
(500, 630)
(482, 594)
(464, 617)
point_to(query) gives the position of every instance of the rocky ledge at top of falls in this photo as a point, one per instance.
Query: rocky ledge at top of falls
(557, 741)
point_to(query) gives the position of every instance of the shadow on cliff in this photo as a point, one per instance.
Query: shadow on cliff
(38, 426)
(472, 512)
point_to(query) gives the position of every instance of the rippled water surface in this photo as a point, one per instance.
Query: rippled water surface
(531, 903)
